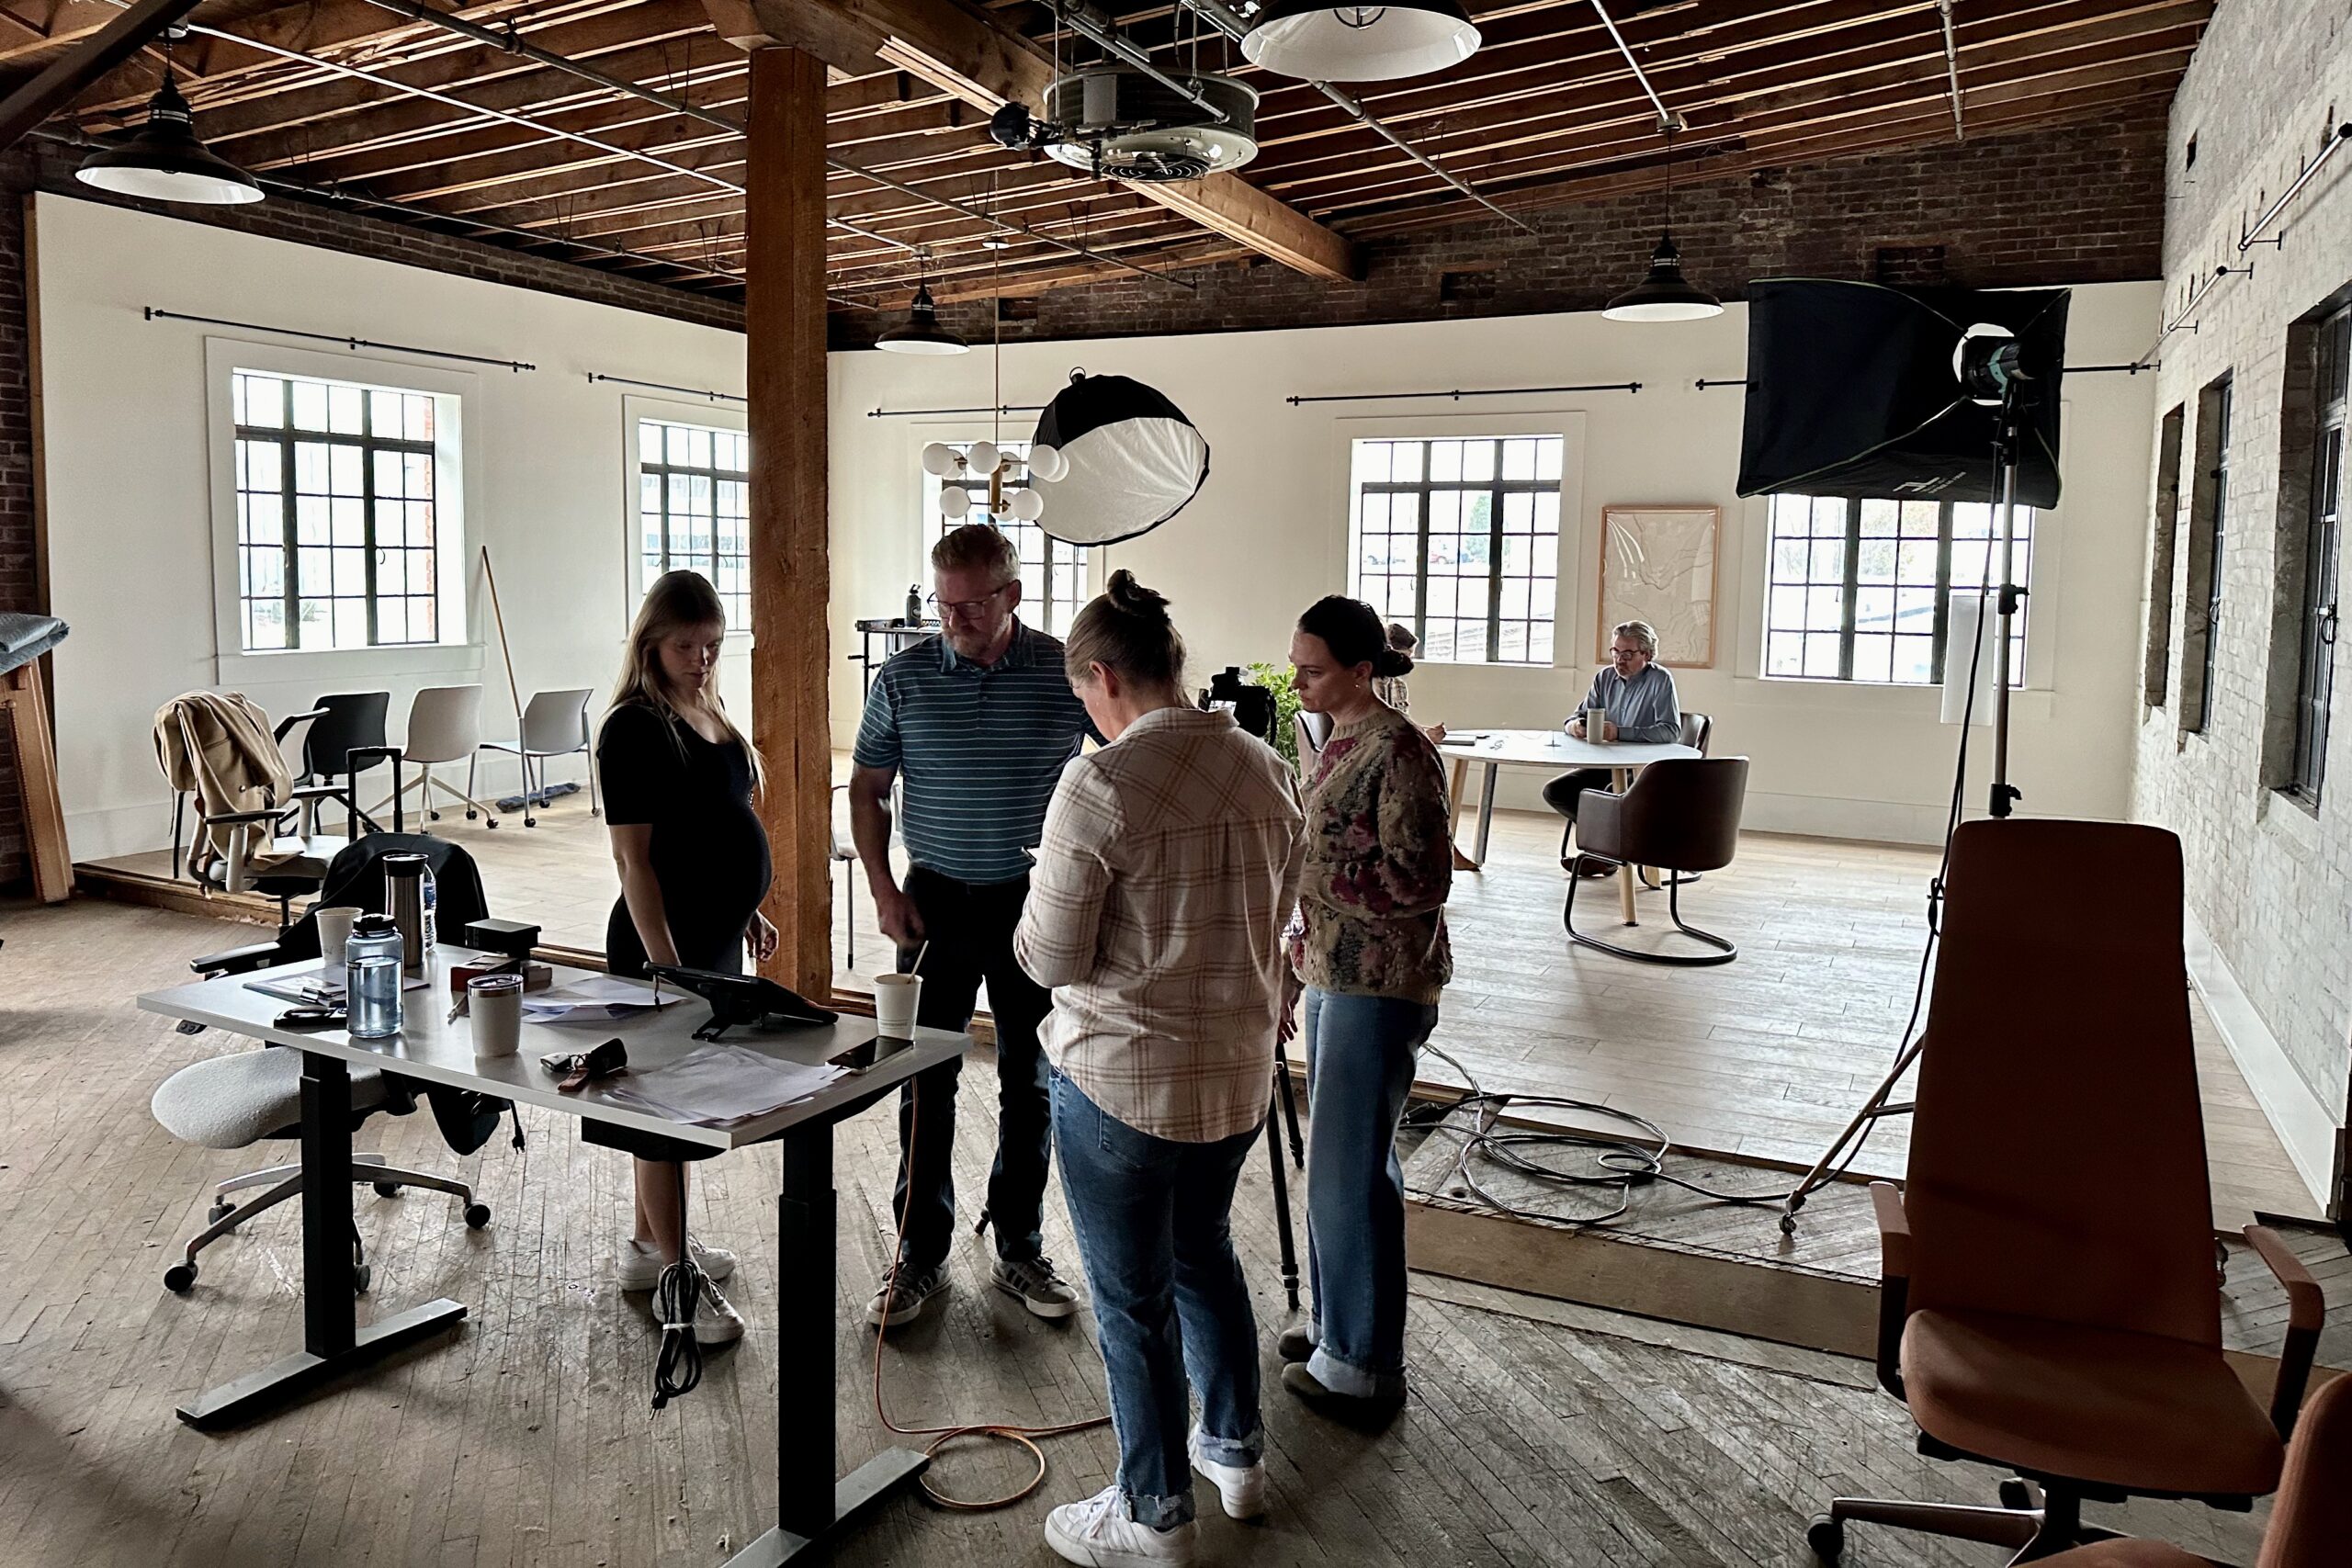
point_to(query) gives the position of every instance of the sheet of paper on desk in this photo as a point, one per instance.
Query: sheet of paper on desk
(318, 986)
(718, 1085)
(593, 998)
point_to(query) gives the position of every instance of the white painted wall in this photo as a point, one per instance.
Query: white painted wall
(1269, 534)
(129, 471)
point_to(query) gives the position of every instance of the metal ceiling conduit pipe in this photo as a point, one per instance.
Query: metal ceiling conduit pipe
(1091, 23)
(1952, 68)
(1222, 18)
(508, 40)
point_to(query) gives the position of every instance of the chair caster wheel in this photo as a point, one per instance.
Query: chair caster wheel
(433, 815)
(1788, 1225)
(221, 1210)
(477, 1215)
(360, 1277)
(387, 1189)
(179, 1279)
(2016, 1494)
(470, 816)
(493, 824)
(1827, 1537)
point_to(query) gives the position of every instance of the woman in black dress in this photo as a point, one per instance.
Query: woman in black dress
(678, 781)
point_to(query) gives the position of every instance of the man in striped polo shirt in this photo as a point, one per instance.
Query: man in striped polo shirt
(975, 727)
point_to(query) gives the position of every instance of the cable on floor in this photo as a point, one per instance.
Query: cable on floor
(1026, 1437)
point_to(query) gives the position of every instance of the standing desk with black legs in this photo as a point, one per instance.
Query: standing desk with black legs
(810, 1507)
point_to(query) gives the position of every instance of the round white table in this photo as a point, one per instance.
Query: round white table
(1553, 751)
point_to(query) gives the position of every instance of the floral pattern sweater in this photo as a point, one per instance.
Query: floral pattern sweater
(1379, 865)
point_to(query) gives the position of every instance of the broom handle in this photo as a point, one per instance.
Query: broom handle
(507, 653)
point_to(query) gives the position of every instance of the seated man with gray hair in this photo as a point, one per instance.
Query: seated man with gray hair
(1639, 697)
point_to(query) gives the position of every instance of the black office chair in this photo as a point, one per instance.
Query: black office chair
(348, 740)
(234, 1101)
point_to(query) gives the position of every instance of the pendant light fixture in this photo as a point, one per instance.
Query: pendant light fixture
(922, 333)
(1318, 40)
(1664, 295)
(162, 160)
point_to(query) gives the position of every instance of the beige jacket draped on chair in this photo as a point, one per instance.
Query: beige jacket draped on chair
(217, 746)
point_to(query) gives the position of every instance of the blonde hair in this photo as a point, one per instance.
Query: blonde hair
(1126, 627)
(677, 600)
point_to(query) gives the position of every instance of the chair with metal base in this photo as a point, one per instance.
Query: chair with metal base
(444, 726)
(555, 724)
(1680, 816)
(2048, 1302)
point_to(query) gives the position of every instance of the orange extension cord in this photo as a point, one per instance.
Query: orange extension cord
(942, 1436)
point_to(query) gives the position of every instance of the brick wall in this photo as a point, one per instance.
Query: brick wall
(2080, 203)
(37, 165)
(2269, 880)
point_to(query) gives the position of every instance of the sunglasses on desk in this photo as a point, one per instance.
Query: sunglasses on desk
(578, 1069)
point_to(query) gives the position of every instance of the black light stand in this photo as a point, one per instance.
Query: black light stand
(1282, 1236)
(1987, 372)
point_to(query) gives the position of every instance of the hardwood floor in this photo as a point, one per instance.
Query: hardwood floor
(1764, 1058)
(1539, 1433)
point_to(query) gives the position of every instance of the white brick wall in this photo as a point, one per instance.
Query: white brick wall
(2270, 883)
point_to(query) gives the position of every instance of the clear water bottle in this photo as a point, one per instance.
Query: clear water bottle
(371, 977)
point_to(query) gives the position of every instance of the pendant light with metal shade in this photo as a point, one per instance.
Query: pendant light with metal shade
(162, 160)
(1664, 295)
(1319, 40)
(922, 333)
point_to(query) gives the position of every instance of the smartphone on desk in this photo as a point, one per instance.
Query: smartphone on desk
(870, 1054)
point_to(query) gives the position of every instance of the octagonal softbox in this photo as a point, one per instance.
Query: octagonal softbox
(1133, 460)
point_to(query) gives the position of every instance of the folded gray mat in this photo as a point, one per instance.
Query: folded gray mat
(24, 638)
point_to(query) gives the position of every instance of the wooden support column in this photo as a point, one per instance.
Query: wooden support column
(784, 329)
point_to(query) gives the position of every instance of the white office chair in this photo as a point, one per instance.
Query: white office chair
(444, 726)
(555, 724)
(1311, 730)
(845, 854)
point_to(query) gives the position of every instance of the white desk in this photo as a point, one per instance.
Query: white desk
(1555, 752)
(810, 1505)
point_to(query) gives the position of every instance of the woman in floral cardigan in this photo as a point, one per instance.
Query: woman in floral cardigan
(1368, 948)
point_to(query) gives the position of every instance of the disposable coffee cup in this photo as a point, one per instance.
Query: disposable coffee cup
(1596, 722)
(495, 1003)
(896, 1000)
(334, 929)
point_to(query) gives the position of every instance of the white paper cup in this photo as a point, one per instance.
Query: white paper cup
(494, 1004)
(1596, 722)
(896, 1000)
(334, 929)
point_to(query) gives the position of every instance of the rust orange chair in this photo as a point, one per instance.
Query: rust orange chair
(2050, 1302)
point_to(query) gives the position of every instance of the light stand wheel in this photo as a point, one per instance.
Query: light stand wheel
(1827, 1537)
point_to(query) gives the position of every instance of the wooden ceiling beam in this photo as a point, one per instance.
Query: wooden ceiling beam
(987, 66)
(1320, 182)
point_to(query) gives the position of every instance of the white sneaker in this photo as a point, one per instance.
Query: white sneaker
(1241, 1488)
(1099, 1532)
(716, 1322)
(639, 1266)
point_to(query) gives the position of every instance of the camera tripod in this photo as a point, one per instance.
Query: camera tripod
(1282, 1235)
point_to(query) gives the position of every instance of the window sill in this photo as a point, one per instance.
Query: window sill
(2291, 820)
(241, 669)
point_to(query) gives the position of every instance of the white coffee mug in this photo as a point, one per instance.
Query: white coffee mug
(896, 998)
(334, 929)
(494, 1004)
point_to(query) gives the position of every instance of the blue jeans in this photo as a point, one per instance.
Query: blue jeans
(1153, 1223)
(1360, 1056)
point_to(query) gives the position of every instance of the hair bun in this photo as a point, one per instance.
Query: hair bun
(1132, 597)
(1390, 662)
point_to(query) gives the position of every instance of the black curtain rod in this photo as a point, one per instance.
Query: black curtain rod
(918, 414)
(1458, 393)
(2132, 369)
(351, 343)
(702, 392)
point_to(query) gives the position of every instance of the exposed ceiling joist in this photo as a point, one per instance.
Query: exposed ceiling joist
(987, 66)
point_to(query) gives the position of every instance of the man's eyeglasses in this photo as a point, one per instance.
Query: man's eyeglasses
(968, 609)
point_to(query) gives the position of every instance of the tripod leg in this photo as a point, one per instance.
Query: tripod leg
(1282, 1236)
(1879, 1105)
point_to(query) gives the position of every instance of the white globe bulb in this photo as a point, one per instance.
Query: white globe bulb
(983, 456)
(939, 459)
(1028, 505)
(1048, 463)
(954, 500)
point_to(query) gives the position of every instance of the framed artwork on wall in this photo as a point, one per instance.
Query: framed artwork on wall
(1657, 564)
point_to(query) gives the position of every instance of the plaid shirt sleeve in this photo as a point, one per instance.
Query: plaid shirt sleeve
(1059, 938)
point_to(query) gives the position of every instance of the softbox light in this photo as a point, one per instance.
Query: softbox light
(1852, 390)
(1133, 460)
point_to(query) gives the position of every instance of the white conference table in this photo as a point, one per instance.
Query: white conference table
(1554, 751)
(812, 1506)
